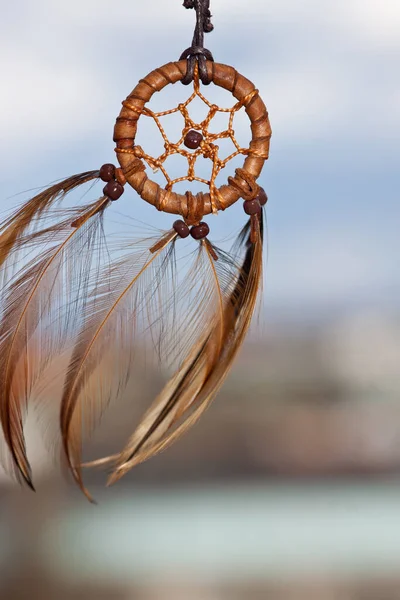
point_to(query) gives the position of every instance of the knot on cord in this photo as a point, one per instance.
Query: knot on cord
(197, 54)
(245, 184)
(192, 208)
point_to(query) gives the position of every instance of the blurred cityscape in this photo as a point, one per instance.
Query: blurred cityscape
(288, 488)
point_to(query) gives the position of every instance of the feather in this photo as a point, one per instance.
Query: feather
(154, 299)
(87, 388)
(32, 212)
(190, 391)
(41, 307)
(195, 390)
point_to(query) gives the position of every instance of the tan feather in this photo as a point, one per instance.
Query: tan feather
(36, 309)
(31, 213)
(81, 398)
(177, 304)
(195, 384)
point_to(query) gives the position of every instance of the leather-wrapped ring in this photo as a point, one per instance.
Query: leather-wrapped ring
(135, 168)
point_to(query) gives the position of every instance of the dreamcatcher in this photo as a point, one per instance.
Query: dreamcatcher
(61, 301)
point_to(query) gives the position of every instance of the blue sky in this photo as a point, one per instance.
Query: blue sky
(328, 72)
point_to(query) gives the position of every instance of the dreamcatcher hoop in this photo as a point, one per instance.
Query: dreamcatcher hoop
(192, 206)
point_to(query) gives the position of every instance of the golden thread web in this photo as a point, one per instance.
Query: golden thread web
(207, 148)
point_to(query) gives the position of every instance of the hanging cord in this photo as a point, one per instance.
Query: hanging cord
(197, 53)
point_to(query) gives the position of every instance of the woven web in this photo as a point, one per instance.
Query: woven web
(208, 147)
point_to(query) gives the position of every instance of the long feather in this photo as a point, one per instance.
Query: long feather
(106, 318)
(38, 313)
(195, 384)
(152, 299)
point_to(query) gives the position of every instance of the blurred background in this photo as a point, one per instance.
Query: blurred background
(289, 486)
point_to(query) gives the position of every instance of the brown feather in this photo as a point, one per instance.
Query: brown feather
(14, 227)
(186, 398)
(35, 319)
(177, 304)
(85, 384)
(195, 384)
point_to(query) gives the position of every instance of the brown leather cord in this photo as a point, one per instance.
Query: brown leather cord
(135, 166)
(245, 184)
(193, 209)
(197, 54)
(196, 57)
(120, 177)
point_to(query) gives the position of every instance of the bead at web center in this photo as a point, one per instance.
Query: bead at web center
(193, 139)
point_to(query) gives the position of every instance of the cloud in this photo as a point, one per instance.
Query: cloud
(328, 267)
(60, 57)
(362, 20)
(377, 23)
(42, 101)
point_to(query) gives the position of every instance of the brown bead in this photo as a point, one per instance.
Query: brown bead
(107, 173)
(200, 231)
(252, 207)
(193, 139)
(113, 190)
(181, 228)
(262, 197)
